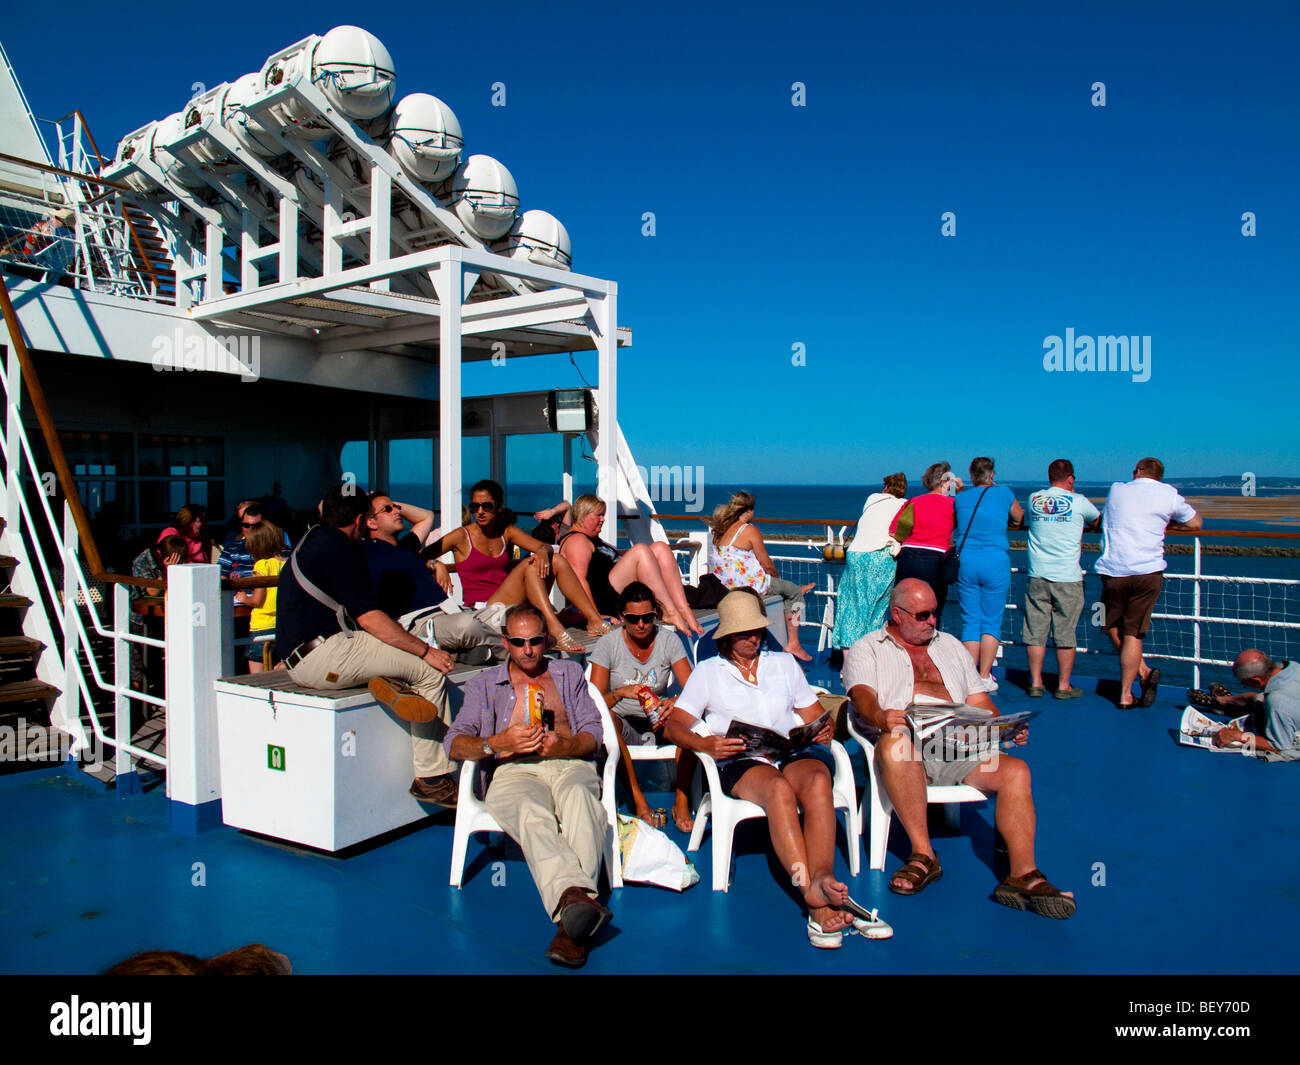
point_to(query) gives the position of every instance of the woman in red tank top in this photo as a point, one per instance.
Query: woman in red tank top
(482, 552)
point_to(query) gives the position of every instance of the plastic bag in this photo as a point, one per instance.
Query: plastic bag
(650, 857)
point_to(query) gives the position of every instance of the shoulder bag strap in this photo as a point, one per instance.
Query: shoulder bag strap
(327, 601)
(972, 517)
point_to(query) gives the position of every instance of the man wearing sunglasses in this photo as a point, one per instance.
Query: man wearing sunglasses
(910, 661)
(407, 590)
(543, 789)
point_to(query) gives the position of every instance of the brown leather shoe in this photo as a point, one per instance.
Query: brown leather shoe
(564, 951)
(402, 700)
(581, 916)
(442, 791)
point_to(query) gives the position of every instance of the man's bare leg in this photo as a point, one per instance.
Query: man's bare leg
(903, 777)
(1064, 666)
(1131, 667)
(1036, 656)
(1014, 815)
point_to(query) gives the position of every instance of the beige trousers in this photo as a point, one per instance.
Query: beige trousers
(552, 810)
(349, 662)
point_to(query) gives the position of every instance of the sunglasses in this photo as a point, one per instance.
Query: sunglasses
(752, 634)
(639, 619)
(525, 641)
(251, 524)
(923, 615)
(386, 508)
(489, 507)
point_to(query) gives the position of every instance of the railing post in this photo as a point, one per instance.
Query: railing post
(70, 714)
(194, 652)
(128, 780)
(1196, 612)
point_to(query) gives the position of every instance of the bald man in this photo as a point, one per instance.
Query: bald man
(910, 661)
(1275, 686)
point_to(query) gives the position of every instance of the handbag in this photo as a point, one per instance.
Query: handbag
(906, 522)
(952, 559)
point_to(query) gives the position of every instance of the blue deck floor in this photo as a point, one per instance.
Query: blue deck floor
(1199, 855)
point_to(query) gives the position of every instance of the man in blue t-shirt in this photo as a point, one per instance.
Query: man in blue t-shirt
(1056, 518)
(407, 589)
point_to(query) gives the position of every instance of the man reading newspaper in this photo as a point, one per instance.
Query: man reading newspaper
(909, 661)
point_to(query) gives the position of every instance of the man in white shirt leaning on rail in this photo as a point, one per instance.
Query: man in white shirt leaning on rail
(1132, 565)
(910, 661)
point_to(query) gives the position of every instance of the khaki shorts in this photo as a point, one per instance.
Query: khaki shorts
(1129, 602)
(940, 774)
(1051, 606)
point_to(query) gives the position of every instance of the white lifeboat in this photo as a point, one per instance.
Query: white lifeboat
(426, 139)
(351, 67)
(540, 238)
(485, 197)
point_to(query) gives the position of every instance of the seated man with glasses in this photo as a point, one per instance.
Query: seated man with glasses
(543, 788)
(642, 654)
(910, 661)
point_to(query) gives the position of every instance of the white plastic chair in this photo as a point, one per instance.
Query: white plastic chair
(472, 815)
(727, 813)
(882, 810)
(639, 752)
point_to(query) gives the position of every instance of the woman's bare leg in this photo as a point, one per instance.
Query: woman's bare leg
(673, 582)
(686, 763)
(522, 584)
(576, 594)
(638, 564)
(771, 790)
(792, 644)
(627, 770)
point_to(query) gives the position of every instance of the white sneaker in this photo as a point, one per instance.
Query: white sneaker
(866, 923)
(990, 685)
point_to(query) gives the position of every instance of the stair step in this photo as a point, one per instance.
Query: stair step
(14, 601)
(19, 646)
(22, 690)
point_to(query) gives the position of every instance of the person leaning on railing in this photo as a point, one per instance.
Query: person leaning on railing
(924, 527)
(738, 558)
(862, 604)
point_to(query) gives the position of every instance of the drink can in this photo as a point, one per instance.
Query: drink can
(648, 700)
(536, 704)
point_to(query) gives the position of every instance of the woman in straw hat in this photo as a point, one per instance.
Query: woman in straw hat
(768, 690)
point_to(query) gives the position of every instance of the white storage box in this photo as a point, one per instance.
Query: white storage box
(325, 769)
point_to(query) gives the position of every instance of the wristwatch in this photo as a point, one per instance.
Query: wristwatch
(488, 752)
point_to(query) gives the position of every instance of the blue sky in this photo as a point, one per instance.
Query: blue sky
(819, 225)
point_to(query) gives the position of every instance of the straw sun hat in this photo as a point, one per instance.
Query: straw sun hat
(739, 612)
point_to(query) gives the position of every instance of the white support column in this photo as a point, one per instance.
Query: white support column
(381, 222)
(193, 664)
(214, 289)
(332, 219)
(248, 249)
(449, 280)
(605, 312)
(288, 240)
(567, 447)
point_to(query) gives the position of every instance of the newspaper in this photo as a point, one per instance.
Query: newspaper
(959, 730)
(1197, 730)
(771, 746)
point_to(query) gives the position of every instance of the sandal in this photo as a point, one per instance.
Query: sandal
(566, 643)
(1219, 691)
(1149, 682)
(600, 630)
(1042, 898)
(822, 939)
(866, 922)
(930, 871)
(1203, 700)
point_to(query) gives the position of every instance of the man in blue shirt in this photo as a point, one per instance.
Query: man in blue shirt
(1056, 518)
(407, 590)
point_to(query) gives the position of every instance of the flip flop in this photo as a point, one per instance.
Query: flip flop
(1149, 689)
(1035, 691)
(866, 922)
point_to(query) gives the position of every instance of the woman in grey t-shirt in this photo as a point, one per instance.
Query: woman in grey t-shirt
(642, 653)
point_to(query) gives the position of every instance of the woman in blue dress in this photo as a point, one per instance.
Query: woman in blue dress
(983, 512)
(862, 604)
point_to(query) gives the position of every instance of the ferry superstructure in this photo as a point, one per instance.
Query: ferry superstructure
(295, 260)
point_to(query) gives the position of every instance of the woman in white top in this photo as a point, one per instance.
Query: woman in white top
(862, 605)
(738, 559)
(769, 690)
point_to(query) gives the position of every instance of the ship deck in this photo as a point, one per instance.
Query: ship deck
(1183, 862)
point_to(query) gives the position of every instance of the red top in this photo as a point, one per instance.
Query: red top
(481, 575)
(933, 522)
(199, 551)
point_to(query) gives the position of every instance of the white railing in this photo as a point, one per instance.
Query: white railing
(1280, 613)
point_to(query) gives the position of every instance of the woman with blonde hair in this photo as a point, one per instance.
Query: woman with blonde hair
(265, 542)
(738, 559)
(604, 571)
(862, 605)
